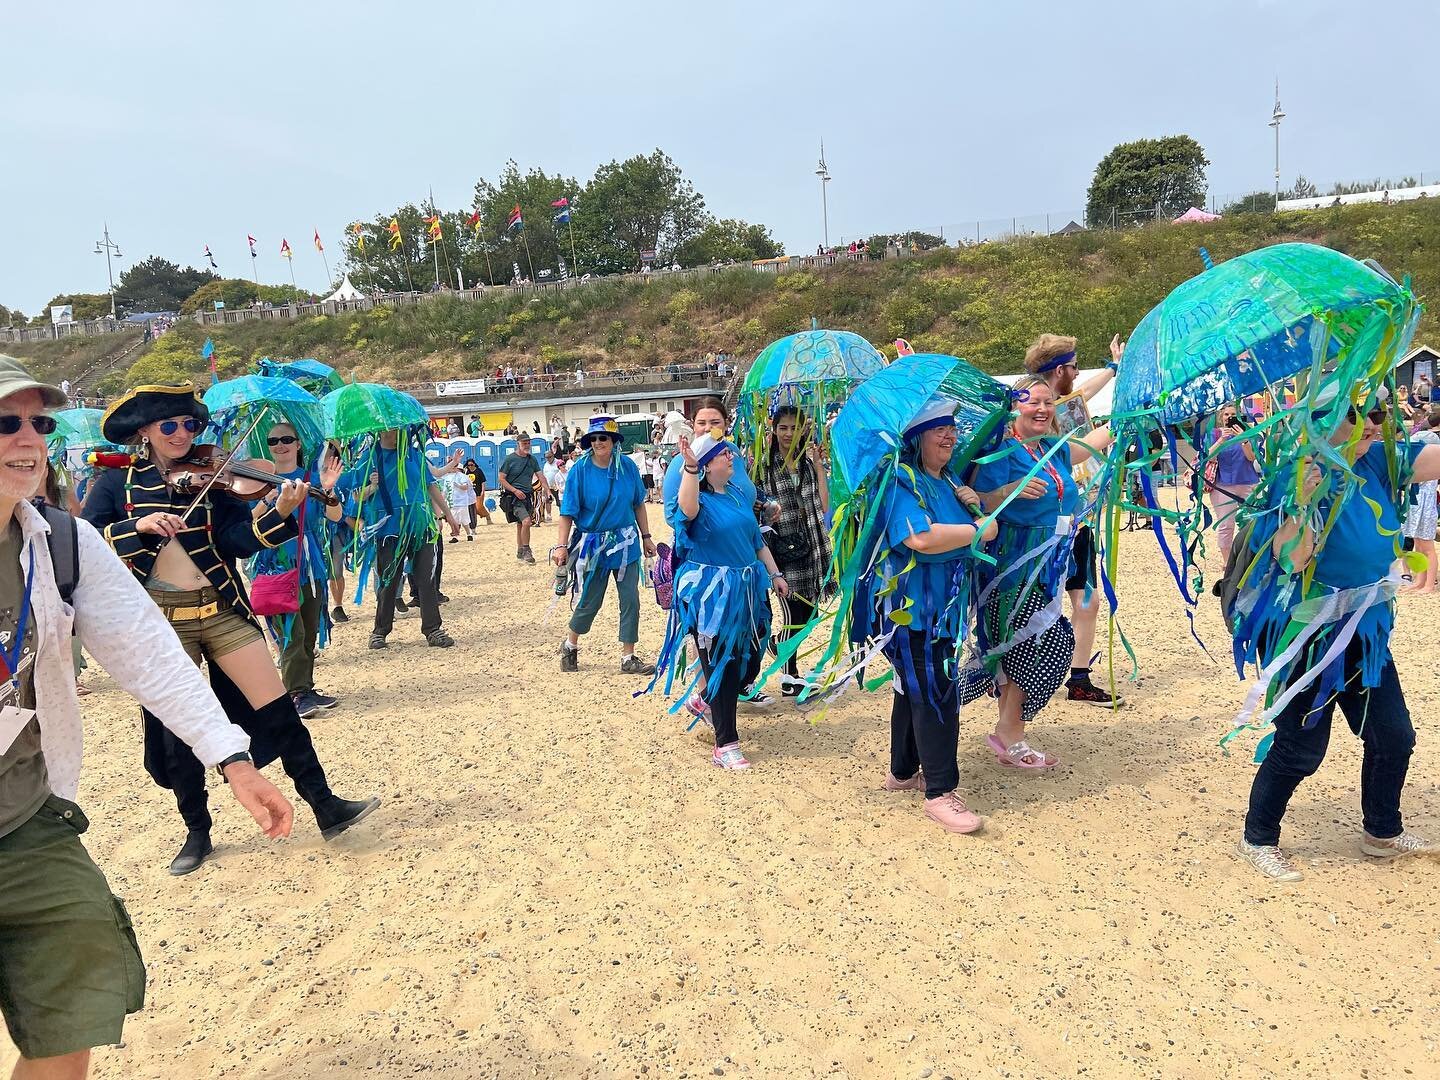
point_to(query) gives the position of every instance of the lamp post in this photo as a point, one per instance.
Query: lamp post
(823, 172)
(1275, 119)
(109, 247)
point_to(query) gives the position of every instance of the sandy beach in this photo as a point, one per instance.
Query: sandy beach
(560, 885)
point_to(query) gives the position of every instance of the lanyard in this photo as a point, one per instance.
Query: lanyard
(1050, 469)
(11, 654)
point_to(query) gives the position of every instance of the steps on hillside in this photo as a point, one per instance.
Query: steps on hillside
(104, 366)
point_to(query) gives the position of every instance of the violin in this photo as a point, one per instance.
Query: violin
(249, 480)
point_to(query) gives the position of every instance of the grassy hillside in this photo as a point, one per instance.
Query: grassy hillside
(68, 357)
(984, 303)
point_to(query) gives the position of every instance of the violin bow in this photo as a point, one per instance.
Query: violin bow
(184, 514)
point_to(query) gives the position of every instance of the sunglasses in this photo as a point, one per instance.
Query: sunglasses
(1375, 416)
(169, 427)
(600, 438)
(43, 425)
(282, 440)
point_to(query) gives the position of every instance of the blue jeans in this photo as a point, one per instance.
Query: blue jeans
(1382, 721)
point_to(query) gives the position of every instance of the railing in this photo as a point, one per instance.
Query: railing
(660, 381)
(89, 328)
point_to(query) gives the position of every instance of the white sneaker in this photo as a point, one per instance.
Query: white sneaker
(1269, 861)
(760, 698)
(1407, 843)
(729, 757)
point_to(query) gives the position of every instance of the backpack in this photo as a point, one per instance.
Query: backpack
(1227, 586)
(64, 544)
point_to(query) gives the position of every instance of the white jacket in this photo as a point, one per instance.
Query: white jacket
(125, 631)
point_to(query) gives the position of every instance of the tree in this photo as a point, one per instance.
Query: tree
(237, 292)
(1140, 177)
(11, 316)
(534, 192)
(640, 204)
(85, 306)
(729, 240)
(1303, 189)
(158, 285)
(1257, 202)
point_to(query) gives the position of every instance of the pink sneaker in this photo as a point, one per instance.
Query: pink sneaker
(951, 814)
(915, 783)
(729, 757)
(697, 708)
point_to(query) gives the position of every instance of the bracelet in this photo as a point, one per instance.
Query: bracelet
(1113, 366)
(693, 472)
(644, 536)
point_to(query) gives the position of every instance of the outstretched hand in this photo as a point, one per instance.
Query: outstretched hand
(267, 806)
(1117, 348)
(691, 461)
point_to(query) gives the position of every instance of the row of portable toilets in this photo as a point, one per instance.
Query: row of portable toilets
(487, 451)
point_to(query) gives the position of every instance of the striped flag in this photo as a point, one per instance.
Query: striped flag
(285, 249)
(318, 246)
(433, 227)
(516, 221)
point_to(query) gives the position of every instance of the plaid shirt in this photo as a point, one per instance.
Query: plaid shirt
(798, 494)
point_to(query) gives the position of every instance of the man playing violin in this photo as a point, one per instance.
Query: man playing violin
(184, 552)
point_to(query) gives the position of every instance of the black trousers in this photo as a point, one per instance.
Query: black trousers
(924, 712)
(389, 562)
(794, 614)
(723, 695)
(439, 570)
(1381, 719)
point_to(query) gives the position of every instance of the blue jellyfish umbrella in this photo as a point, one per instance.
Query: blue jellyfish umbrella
(314, 376)
(234, 402)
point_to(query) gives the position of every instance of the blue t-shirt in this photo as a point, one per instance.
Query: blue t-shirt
(384, 508)
(724, 532)
(1017, 460)
(740, 485)
(602, 499)
(1356, 552)
(932, 501)
(1234, 468)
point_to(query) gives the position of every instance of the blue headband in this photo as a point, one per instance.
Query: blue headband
(710, 454)
(1052, 364)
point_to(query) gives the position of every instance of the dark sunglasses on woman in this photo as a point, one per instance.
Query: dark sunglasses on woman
(282, 440)
(43, 425)
(169, 427)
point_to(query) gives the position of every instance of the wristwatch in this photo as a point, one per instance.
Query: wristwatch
(234, 759)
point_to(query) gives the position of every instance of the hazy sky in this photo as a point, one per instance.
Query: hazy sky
(183, 124)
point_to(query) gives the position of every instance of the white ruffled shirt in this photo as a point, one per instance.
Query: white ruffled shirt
(122, 628)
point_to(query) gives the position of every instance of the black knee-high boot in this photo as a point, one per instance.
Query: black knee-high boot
(290, 736)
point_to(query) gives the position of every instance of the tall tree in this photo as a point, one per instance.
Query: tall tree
(11, 316)
(1147, 175)
(157, 284)
(547, 243)
(642, 203)
(728, 240)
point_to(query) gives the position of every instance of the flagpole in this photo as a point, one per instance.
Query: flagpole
(405, 258)
(489, 270)
(526, 241)
(291, 261)
(329, 278)
(574, 261)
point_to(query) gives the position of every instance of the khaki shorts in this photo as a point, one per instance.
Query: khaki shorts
(215, 635)
(70, 969)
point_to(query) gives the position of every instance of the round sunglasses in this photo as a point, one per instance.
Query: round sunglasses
(282, 440)
(169, 427)
(43, 425)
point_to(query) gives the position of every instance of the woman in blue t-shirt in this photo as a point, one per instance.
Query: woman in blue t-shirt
(1026, 643)
(720, 590)
(308, 629)
(923, 599)
(1326, 641)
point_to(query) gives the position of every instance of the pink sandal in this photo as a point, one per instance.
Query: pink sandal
(1020, 755)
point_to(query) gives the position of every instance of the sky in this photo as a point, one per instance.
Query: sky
(183, 124)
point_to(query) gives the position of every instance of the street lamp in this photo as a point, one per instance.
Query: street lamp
(823, 172)
(109, 247)
(1275, 119)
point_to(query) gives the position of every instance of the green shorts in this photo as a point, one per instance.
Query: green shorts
(70, 968)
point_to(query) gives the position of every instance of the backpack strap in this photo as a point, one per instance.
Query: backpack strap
(64, 543)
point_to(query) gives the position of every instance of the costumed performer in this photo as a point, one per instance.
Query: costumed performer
(930, 522)
(1316, 612)
(1052, 358)
(187, 565)
(720, 589)
(605, 498)
(303, 632)
(1026, 645)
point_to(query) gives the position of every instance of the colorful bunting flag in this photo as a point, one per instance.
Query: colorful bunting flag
(394, 230)
(318, 246)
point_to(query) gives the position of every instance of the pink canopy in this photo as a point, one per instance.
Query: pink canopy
(1196, 214)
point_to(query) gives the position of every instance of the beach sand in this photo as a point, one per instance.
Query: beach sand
(560, 885)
